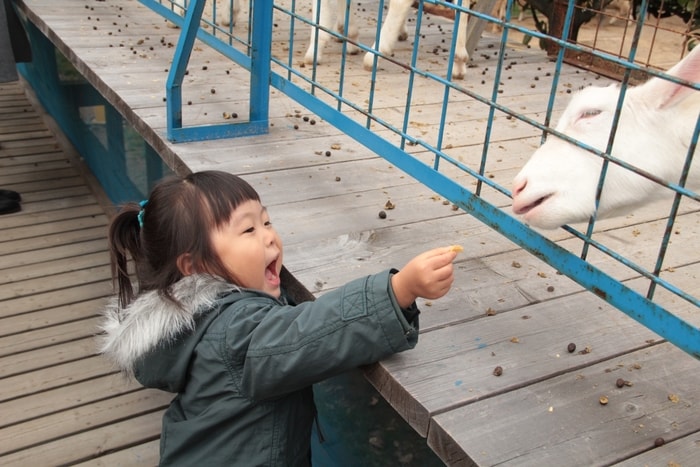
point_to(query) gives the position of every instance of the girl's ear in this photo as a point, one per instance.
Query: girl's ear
(184, 264)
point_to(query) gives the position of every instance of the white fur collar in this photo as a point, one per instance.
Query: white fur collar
(129, 333)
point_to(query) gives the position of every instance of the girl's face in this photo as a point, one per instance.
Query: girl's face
(250, 249)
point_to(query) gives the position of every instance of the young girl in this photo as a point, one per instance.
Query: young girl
(212, 322)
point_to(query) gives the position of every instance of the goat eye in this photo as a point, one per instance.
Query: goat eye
(590, 113)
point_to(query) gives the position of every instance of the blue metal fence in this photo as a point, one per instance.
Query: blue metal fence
(361, 114)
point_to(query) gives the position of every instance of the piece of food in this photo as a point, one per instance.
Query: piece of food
(457, 248)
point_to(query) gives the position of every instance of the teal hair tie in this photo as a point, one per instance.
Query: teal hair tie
(140, 214)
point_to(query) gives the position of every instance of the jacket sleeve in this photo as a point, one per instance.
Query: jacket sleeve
(292, 347)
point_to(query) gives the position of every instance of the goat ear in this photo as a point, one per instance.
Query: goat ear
(663, 93)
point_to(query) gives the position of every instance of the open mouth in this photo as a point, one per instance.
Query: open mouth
(520, 210)
(271, 274)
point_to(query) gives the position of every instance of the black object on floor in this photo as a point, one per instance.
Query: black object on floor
(11, 195)
(8, 206)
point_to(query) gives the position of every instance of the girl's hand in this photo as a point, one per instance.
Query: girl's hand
(428, 275)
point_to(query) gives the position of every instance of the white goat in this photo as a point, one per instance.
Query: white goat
(557, 185)
(324, 11)
(226, 12)
(393, 30)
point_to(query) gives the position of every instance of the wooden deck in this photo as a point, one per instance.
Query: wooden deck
(62, 404)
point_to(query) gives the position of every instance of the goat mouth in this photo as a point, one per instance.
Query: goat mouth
(521, 210)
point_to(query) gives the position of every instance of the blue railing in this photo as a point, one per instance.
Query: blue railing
(395, 141)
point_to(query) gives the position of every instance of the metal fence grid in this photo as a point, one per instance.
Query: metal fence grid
(459, 140)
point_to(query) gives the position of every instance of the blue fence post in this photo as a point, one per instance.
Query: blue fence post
(260, 63)
(261, 55)
(173, 86)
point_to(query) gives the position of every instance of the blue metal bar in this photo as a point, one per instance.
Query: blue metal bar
(373, 80)
(446, 93)
(173, 86)
(292, 27)
(411, 75)
(492, 108)
(615, 121)
(344, 53)
(261, 54)
(258, 64)
(674, 209)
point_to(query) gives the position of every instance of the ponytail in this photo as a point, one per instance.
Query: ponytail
(125, 241)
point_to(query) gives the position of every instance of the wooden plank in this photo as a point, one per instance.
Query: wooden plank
(678, 452)
(23, 128)
(455, 364)
(20, 262)
(68, 172)
(55, 164)
(45, 185)
(61, 424)
(88, 444)
(48, 359)
(62, 398)
(44, 377)
(27, 143)
(62, 208)
(50, 317)
(65, 224)
(52, 199)
(571, 422)
(8, 113)
(19, 121)
(146, 454)
(52, 268)
(48, 241)
(27, 134)
(29, 155)
(68, 295)
(49, 335)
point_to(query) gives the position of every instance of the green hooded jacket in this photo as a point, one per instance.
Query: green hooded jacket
(242, 362)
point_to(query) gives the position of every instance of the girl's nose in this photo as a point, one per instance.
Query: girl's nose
(270, 236)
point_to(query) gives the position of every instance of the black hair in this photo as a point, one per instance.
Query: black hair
(176, 220)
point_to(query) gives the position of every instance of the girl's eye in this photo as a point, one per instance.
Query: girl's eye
(249, 230)
(268, 224)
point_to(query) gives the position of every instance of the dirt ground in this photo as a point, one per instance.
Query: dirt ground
(662, 42)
